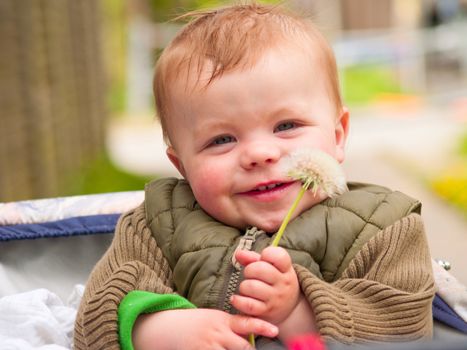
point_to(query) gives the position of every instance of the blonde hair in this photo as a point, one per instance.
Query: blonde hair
(235, 37)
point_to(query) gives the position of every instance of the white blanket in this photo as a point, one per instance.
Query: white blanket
(38, 319)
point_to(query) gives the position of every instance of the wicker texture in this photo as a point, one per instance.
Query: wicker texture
(52, 94)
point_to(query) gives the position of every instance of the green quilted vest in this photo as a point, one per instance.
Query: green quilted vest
(323, 239)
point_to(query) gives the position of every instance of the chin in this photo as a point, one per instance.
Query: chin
(270, 227)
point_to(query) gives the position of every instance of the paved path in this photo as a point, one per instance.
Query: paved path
(396, 152)
(391, 149)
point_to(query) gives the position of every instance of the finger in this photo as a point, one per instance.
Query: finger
(246, 257)
(255, 289)
(278, 257)
(248, 306)
(245, 325)
(234, 342)
(262, 271)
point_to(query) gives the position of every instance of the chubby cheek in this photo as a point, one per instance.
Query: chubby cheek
(210, 188)
(324, 142)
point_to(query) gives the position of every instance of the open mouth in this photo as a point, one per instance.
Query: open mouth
(268, 192)
(268, 187)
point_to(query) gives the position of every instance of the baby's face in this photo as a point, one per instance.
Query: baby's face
(228, 139)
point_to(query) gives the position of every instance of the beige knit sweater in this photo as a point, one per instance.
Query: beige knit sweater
(385, 294)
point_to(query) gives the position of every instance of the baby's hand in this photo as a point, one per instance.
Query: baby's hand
(197, 329)
(270, 289)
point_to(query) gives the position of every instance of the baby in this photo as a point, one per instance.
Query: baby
(237, 90)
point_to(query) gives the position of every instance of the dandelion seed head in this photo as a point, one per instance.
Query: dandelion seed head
(317, 169)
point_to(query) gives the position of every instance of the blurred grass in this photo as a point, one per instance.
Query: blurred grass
(101, 176)
(451, 183)
(364, 84)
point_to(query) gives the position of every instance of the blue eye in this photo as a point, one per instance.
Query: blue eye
(221, 140)
(285, 126)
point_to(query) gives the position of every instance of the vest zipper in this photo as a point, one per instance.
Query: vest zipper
(235, 269)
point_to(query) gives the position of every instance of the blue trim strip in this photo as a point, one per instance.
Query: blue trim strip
(80, 225)
(444, 314)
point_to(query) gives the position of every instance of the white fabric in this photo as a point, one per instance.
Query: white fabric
(38, 319)
(55, 264)
(451, 290)
(53, 209)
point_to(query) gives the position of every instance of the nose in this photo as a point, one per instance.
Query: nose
(259, 154)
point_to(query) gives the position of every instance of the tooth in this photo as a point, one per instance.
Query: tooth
(261, 188)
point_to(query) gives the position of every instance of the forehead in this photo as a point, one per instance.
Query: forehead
(197, 77)
(196, 74)
(269, 84)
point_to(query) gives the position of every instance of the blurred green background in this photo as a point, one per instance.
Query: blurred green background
(72, 70)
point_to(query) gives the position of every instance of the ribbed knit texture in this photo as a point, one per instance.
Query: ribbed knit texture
(133, 262)
(385, 294)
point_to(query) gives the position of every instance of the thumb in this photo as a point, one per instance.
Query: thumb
(245, 325)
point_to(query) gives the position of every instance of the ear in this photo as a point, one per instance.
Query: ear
(172, 155)
(342, 130)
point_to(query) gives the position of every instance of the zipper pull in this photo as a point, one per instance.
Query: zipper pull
(246, 243)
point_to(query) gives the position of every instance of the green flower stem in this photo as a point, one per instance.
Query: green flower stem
(251, 339)
(275, 242)
(286, 220)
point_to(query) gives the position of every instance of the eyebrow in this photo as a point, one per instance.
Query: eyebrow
(210, 125)
(294, 112)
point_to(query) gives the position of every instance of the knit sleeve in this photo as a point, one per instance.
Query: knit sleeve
(385, 293)
(132, 262)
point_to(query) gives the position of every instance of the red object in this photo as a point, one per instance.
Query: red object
(306, 342)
